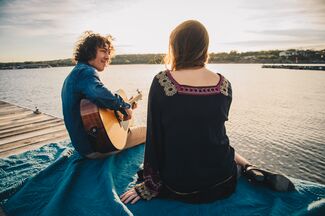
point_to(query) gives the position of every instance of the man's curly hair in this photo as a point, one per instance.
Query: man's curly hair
(86, 47)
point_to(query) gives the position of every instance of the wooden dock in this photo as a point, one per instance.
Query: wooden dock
(22, 129)
(296, 67)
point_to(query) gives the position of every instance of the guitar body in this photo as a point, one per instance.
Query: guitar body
(107, 132)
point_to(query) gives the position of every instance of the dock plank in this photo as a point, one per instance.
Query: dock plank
(29, 127)
(40, 138)
(30, 135)
(16, 115)
(24, 121)
(31, 146)
(9, 110)
(21, 129)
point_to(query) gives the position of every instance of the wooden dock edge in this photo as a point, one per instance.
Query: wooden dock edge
(23, 129)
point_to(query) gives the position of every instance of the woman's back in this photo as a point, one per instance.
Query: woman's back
(194, 149)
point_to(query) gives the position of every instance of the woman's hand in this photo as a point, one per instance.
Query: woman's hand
(130, 195)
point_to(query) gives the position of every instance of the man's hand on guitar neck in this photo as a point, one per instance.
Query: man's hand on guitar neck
(129, 115)
(134, 105)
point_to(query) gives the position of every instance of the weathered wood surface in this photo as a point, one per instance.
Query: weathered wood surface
(21, 129)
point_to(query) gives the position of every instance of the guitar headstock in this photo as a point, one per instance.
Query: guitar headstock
(137, 97)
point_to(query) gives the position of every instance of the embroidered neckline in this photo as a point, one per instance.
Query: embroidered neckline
(198, 90)
(171, 86)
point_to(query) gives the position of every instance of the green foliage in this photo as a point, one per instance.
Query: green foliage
(269, 56)
(138, 59)
(265, 56)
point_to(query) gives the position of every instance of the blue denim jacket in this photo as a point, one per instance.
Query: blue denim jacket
(84, 82)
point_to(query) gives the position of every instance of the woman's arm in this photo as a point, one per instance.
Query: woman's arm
(151, 185)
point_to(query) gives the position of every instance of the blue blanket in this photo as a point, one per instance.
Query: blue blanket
(54, 180)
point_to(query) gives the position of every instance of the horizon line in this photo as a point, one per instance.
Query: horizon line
(296, 49)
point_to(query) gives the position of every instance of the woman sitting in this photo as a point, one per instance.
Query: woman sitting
(187, 154)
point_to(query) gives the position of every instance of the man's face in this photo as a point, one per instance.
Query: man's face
(102, 58)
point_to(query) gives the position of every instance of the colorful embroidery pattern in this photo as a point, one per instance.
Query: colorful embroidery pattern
(171, 86)
(165, 82)
(224, 87)
(151, 185)
(143, 191)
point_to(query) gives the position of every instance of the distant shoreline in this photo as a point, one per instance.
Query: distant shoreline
(233, 57)
(296, 67)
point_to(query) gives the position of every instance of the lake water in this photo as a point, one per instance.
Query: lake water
(277, 118)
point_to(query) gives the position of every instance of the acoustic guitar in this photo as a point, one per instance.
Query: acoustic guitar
(107, 132)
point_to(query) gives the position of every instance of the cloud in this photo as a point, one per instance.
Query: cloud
(310, 13)
(42, 29)
(37, 17)
(51, 27)
(316, 35)
(282, 5)
(283, 24)
(246, 45)
(51, 16)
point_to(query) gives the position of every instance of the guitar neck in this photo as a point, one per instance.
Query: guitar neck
(135, 98)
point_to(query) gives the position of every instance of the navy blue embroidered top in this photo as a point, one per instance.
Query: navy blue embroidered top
(84, 82)
(187, 148)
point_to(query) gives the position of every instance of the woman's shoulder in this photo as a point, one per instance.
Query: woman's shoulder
(161, 74)
(163, 80)
(225, 85)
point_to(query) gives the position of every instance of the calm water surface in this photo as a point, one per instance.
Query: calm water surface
(277, 118)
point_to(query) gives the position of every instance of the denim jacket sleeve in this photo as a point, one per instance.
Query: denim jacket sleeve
(94, 90)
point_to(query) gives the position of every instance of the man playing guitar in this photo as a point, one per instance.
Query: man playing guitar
(93, 53)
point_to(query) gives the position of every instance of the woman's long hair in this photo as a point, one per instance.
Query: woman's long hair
(188, 46)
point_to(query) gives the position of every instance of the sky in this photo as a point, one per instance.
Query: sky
(32, 30)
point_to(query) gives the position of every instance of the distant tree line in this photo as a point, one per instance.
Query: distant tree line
(269, 56)
(138, 59)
